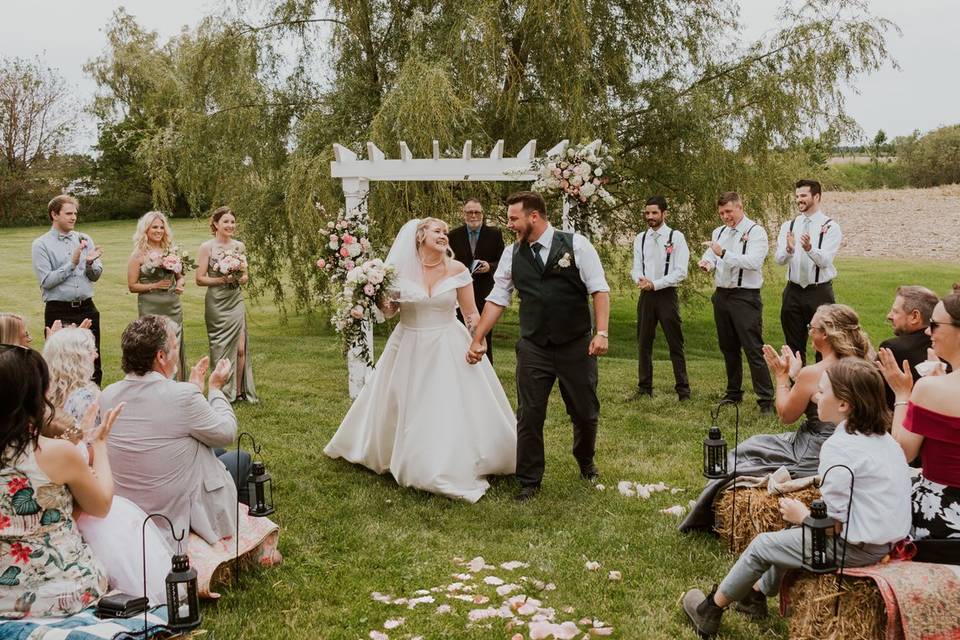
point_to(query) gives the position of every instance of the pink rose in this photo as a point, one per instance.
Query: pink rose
(334, 237)
(321, 263)
(357, 312)
(349, 265)
(369, 289)
(344, 252)
(348, 239)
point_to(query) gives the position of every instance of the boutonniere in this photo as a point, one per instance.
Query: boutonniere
(669, 248)
(745, 238)
(564, 261)
(824, 228)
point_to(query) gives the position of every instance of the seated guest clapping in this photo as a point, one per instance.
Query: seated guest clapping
(48, 570)
(851, 394)
(926, 422)
(910, 316)
(13, 330)
(162, 449)
(115, 538)
(836, 334)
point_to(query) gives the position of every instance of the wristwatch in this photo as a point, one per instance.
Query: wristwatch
(605, 334)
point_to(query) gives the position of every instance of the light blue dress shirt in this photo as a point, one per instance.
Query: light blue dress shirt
(59, 279)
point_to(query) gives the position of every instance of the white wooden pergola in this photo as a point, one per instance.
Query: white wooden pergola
(356, 176)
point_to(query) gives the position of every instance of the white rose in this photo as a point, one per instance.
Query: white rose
(354, 249)
(571, 153)
(355, 275)
(585, 169)
(576, 181)
(334, 245)
(598, 171)
(588, 189)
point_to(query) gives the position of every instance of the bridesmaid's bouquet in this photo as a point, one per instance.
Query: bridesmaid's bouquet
(365, 289)
(170, 263)
(229, 262)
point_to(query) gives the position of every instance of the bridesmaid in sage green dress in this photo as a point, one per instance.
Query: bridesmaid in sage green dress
(158, 291)
(222, 268)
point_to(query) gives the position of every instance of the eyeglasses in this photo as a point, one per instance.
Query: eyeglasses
(934, 325)
(811, 326)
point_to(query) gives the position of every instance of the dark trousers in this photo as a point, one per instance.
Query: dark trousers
(75, 313)
(538, 367)
(796, 310)
(489, 334)
(660, 307)
(739, 317)
(239, 468)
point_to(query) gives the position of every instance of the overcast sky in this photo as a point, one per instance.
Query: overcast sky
(920, 95)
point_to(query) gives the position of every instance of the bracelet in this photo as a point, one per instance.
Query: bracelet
(901, 403)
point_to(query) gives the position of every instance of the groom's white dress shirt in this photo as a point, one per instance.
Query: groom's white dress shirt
(584, 255)
(735, 261)
(825, 239)
(650, 257)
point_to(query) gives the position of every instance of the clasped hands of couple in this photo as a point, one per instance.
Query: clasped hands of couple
(598, 347)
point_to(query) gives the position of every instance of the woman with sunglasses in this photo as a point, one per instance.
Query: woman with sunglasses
(926, 422)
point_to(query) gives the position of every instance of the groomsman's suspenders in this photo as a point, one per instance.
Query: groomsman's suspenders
(744, 252)
(823, 232)
(666, 264)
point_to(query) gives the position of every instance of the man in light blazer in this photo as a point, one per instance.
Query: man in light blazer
(162, 454)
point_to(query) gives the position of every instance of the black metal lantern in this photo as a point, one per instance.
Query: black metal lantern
(183, 601)
(260, 491)
(714, 454)
(819, 540)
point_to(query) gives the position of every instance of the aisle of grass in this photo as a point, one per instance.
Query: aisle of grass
(347, 532)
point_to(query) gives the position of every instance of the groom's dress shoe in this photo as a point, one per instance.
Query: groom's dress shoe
(590, 473)
(527, 492)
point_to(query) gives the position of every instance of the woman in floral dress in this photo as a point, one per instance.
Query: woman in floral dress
(45, 567)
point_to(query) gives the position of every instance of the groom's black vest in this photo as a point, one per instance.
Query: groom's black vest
(553, 304)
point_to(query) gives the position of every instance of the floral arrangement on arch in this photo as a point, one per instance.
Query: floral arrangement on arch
(172, 262)
(348, 245)
(364, 290)
(358, 281)
(579, 175)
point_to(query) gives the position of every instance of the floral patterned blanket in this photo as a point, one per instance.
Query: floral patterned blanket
(214, 562)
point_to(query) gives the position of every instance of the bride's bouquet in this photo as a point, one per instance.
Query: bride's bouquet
(365, 289)
(170, 263)
(229, 262)
(580, 175)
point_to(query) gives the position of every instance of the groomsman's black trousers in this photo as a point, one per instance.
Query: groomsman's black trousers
(538, 366)
(797, 309)
(660, 307)
(75, 313)
(739, 317)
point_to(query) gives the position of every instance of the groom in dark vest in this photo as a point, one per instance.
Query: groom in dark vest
(555, 273)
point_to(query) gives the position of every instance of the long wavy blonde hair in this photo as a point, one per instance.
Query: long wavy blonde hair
(140, 240)
(841, 327)
(10, 325)
(67, 353)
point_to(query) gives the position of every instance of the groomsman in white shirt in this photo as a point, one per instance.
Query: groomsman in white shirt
(735, 253)
(660, 257)
(808, 245)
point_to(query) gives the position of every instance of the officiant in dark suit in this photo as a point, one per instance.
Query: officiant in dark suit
(910, 316)
(479, 247)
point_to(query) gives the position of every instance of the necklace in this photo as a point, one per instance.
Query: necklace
(430, 266)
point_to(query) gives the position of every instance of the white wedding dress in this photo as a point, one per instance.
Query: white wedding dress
(428, 417)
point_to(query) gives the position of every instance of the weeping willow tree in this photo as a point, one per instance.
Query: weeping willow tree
(244, 108)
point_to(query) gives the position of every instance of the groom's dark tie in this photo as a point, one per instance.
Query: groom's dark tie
(535, 248)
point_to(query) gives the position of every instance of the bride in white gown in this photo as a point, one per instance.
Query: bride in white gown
(432, 420)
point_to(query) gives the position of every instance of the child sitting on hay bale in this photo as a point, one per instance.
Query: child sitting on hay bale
(851, 394)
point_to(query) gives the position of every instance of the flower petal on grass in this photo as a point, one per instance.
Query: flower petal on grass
(626, 488)
(676, 510)
(506, 589)
(381, 597)
(393, 623)
(599, 487)
(615, 575)
(482, 614)
(476, 564)
(378, 635)
(479, 599)
(443, 608)
(421, 600)
(601, 631)
(591, 565)
(493, 580)
(513, 564)
(421, 592)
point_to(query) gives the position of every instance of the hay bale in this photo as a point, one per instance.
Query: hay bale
(862, 615)
(756, 512)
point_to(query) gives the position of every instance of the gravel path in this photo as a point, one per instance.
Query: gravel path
(919, 224)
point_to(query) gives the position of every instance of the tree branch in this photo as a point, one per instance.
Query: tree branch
(286, 23)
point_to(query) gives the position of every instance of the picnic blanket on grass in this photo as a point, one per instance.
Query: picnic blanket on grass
(86, 626)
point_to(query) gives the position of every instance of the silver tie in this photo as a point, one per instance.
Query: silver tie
(804, 262)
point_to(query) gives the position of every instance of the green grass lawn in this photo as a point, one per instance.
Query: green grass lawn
(347, 533)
